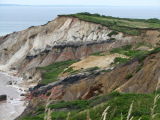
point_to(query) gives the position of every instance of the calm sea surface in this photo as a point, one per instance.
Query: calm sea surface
(16, 18)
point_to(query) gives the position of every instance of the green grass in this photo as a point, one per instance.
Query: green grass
(78, 104)
(71, 71)
(119, 60)
(143, 44)
(143, 56)
(50, 73)
(128, 51)
(98, 54)
(112, 33)
(119, 104)
(127, 26)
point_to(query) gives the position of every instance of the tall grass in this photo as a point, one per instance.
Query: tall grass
(129, 117)
(104, 114)
(153, 113)
(48, 112)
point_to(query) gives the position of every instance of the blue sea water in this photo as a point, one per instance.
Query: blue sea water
(16, 18)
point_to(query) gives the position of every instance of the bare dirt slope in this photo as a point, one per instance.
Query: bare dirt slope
(96, 61)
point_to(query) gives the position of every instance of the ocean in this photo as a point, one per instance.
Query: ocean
(16, 18)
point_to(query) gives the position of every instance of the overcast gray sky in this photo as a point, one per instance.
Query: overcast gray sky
(85, 2)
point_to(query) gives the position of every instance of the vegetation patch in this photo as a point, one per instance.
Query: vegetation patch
(112, 33)
(128, 76)
(50, 73)
(71, 71)
(92, 69)
(143, 56)
(77, 104)
(124, 25)
(120, 106)
(128, 51)
(143, 44)
(120, 60)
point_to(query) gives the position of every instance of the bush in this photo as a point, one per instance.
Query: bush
(92, 69)
(112, 33)
(119, 60)
(128, 76)
(153, 20)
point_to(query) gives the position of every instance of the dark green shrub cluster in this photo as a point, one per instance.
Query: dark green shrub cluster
(92, 69)
(153, 20)
(119, 60)
(128, 76)
(112, 33)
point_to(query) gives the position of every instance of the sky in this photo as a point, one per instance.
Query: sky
(85, 2)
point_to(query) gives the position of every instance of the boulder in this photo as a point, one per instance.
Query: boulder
(3, 97)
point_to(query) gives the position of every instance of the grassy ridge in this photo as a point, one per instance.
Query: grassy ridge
(127, 26)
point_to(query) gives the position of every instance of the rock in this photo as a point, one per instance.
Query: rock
(9, 83)
(145, 48)
(23, 95)
(3, 97)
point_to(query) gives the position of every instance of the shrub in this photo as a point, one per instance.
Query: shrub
(128, 76)
(112, 33)
(92, 69)
(119, 60)
(153, 20)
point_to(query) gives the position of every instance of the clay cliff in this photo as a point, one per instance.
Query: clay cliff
(62, 39)
(38, 53)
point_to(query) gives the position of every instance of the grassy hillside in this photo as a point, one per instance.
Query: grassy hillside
(120, 106)
(113, 106)
(125, 25)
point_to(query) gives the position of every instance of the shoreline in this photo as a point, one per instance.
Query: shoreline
(15, 104)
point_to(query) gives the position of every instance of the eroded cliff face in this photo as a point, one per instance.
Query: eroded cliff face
(133, 77)
(68, 38)
(61, 39)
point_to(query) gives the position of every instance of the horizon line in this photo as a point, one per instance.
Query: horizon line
(10, 4)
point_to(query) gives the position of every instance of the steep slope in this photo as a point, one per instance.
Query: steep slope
(54, 57)
(62, 39)
(140, 75)
(135, 76)
(115, 105)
